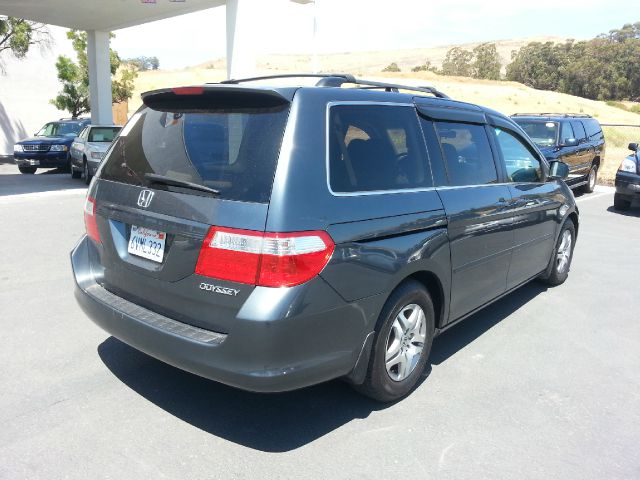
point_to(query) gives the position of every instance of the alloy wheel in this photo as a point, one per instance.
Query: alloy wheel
(564, 252)
(405, 342)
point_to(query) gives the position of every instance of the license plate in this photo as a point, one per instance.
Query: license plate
(147, 243)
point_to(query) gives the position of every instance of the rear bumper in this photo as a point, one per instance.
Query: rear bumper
(42, 159)
(627, 184)
(260, 353)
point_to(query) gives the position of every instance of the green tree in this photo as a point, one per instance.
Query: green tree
(17, 36)
(457, 62)
(392, 67)
(144, 63)
(486, 62)
(74, 96)
(604, 68)
(539, 65)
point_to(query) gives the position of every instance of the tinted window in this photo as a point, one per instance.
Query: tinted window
(593, 128)
(566, 132)
(103, 134)
(376, 147)
(578, 129)
(467, 153)
(435, 154)
(231, 150)
(521, 163)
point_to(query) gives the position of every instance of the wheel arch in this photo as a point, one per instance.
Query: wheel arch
(434, 286)
(573, 216)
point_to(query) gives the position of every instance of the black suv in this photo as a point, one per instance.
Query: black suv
(50, 147)
(576, 139)
(273, 238)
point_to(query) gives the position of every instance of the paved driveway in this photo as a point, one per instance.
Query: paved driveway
(543, 384)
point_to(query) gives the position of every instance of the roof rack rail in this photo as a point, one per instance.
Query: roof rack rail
(547, 114)
(338, 79)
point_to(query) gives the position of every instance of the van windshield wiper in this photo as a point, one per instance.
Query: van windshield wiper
(155, 178)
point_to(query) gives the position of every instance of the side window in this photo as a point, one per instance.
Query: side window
(376, 147)
(84, 133)
(467, 153)
(593, 128)
(566, 131)
(521, 163)
(578, 129)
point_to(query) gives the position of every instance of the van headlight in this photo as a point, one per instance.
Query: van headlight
(17, 148)
(58, 148)
(628, 165)
(97, 155)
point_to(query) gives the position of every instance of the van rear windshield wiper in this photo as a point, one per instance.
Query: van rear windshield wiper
(155, 178)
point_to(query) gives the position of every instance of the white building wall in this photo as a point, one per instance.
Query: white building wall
(25, 91)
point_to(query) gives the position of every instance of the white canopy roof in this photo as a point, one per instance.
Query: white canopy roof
(102, 15)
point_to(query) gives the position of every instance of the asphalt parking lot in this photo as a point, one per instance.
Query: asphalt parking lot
(542, 384)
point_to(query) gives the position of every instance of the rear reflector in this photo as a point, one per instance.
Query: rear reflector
(90, 219)
(265, 259)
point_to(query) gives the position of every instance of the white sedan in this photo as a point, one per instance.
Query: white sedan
(89, 147)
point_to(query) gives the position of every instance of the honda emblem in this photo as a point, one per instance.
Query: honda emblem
(144, 199)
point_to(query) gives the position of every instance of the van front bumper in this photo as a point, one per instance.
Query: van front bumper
(266, 350)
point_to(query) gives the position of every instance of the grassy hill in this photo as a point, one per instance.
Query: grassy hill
(506, 97)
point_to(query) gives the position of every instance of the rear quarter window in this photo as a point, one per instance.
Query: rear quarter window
(593, 128)
(230, 150)
(376, 148)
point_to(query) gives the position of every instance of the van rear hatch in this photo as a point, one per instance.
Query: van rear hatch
(189, 159)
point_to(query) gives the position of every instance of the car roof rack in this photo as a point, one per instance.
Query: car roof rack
(546, 114)
(338, 79)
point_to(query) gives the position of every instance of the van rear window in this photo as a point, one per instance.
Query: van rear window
(233, 151)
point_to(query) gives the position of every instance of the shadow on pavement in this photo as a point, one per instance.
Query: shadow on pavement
(276, 422)
(12, 182)
(634, 211)
(462, 334)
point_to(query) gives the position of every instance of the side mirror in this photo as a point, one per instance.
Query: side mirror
(559, 170)
(570, 142)
(633, 147)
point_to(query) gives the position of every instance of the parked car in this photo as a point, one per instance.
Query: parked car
(49, 148)
(576, 139)
(274, 238)
(88, 149)
(628, 180)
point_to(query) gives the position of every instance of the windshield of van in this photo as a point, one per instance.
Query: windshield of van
(230, 150)
(543, 134)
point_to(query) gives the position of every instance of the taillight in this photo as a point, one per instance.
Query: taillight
(265, 259)
(90, 219)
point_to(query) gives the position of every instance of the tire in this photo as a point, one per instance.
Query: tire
(560, 261)
(27, 170)
(592, 179)
(621, 202)
(86, 176)
(75, 173)
(389, 383)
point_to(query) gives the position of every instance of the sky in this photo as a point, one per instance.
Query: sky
(281, 26)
